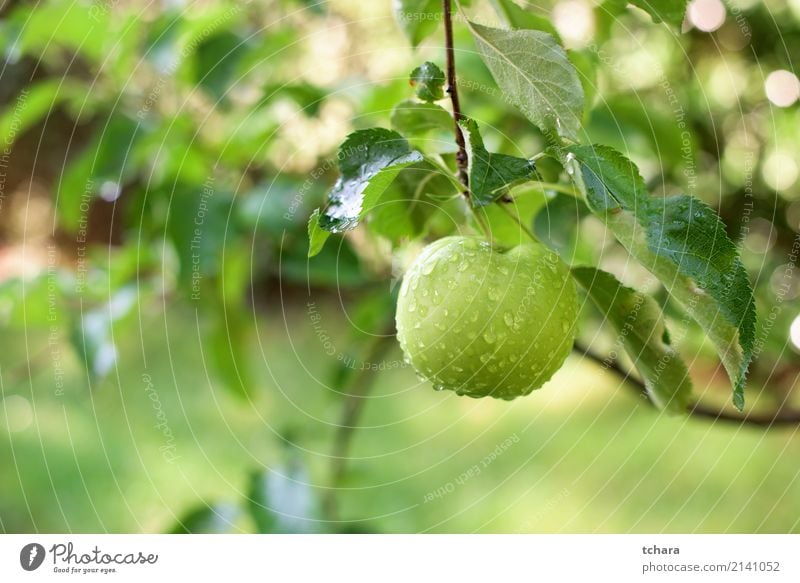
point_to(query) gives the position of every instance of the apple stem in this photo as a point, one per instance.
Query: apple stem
(481, 220)
(522, 226)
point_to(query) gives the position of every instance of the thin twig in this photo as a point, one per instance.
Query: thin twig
(780, 418)
(452, 91)
(361, 384)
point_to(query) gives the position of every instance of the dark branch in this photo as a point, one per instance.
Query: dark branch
(780, 418)
(452, 91)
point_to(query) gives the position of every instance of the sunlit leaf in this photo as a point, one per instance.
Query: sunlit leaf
(535, 75)
(681, 241)
(639, 324)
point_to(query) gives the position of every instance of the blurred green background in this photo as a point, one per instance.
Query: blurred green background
(171, 361)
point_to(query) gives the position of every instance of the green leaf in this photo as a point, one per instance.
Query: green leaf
(417, 18)
(428, 82)
(407, 205)
(490, 174)
(639, 324)
(514, 16)
(535, 74)
(681, 241)
(668, 11)
(316, 234)
(412, 118)
(368, 161)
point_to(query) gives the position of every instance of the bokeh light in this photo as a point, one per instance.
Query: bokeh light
(782, 88)
(706, 15)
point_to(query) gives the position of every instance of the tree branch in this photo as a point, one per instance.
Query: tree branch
(781, 418)
(452, 91)
(354, 401)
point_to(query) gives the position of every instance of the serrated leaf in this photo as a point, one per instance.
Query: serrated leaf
(535, 74)
(417, 18)
(428, 82)
(668, 11)
(412, 118)
(639, 324)
(490, 174)
(681, 241)
(368, 161)
(514, 16)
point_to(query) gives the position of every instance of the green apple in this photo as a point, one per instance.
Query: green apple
(486, 321)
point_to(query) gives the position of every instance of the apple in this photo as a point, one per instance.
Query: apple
(486, 321)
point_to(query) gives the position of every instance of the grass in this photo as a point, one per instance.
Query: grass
(581, 455)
